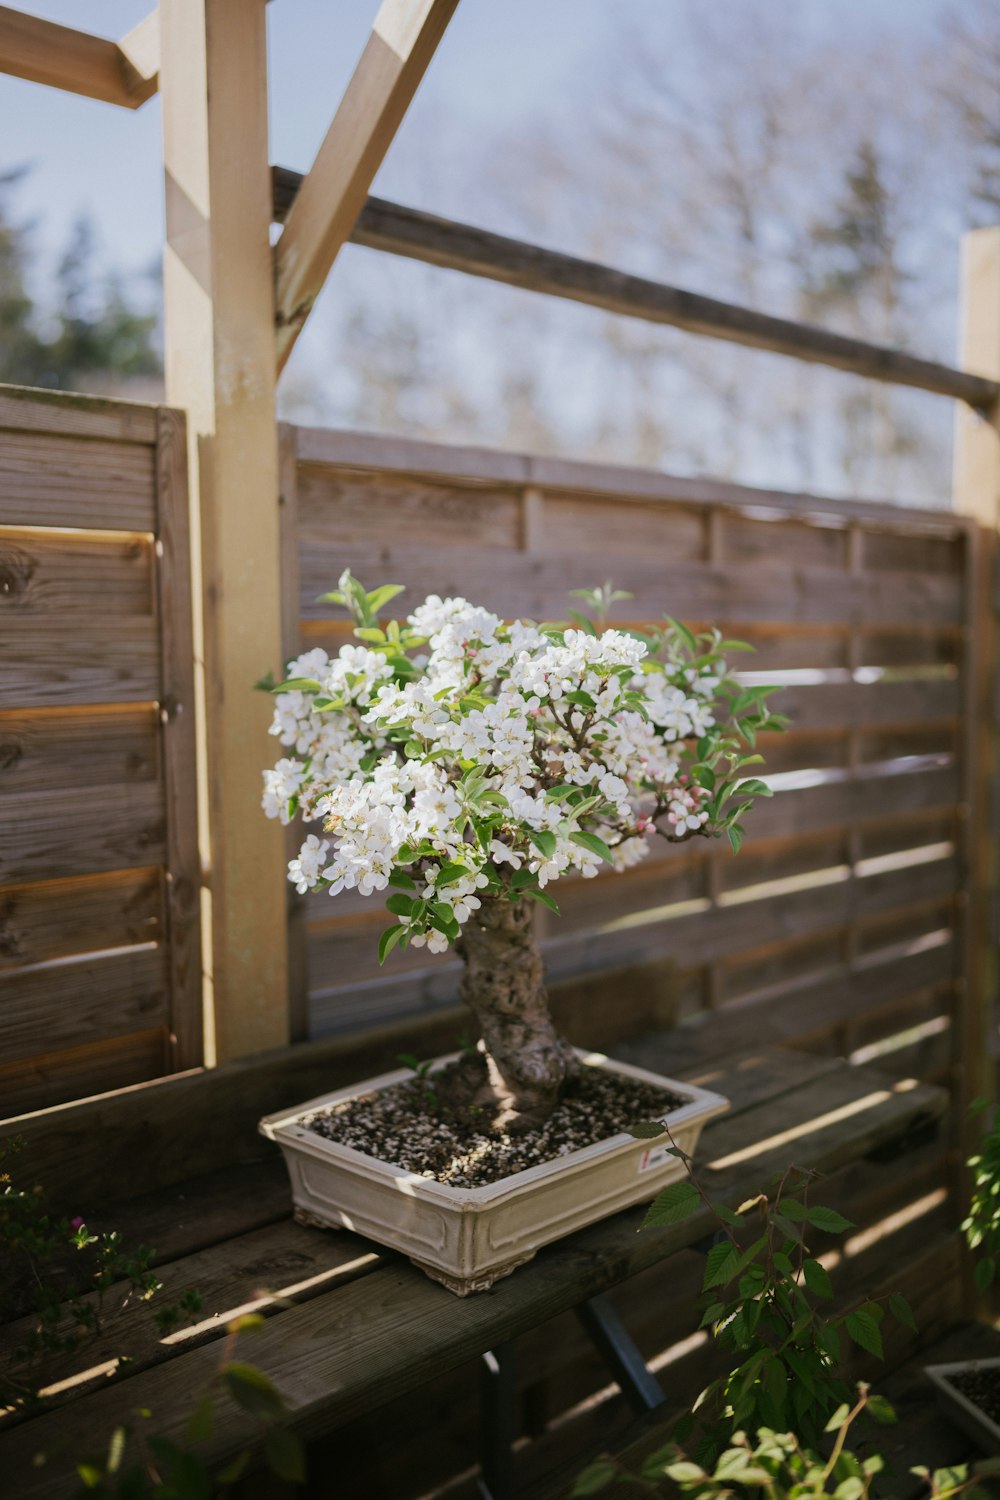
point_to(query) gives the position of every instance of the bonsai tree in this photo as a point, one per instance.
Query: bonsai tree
(465, 765)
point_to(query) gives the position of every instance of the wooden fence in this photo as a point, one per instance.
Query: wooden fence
(100, 965)
(840, 924)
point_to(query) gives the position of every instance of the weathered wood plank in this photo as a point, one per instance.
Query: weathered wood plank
(63, 917)
(45, 836)
(540, 587)
(182, 876)
(48, 480)
(63, 1005)
(63, 748)
(66, 415)
(43, 574)
(462, 464)
(257, 1272)
(338, 507)
(51, 1078)
(77, 659)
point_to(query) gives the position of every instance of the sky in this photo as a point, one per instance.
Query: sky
(501, 64)
(499, 61)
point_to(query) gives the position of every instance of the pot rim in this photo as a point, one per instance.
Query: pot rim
(286, 1128)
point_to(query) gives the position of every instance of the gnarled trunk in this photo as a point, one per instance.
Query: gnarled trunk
(528, 1062)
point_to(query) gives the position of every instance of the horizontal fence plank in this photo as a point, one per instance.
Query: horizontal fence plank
(40, 1081)
(63, 415)
(58, 918)
(539, 587)
(77, 658)
(50, 480)
(856, 705)
(66, 1004)
(52, 835)
(43, 574)
(58, 748)
(644, 935)
(340, 507)
(460, 464)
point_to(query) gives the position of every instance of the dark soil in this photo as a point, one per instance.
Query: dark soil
(426, 1127)
(982, 1388)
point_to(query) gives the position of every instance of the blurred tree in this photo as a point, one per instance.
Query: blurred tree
(94, 338)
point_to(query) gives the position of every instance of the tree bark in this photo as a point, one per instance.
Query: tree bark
(528, 1062)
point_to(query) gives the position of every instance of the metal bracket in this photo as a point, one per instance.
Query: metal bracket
(498, 1391)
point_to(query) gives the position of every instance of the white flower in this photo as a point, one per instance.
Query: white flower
(304, 871)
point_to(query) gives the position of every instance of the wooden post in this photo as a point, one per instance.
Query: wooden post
(977, 494)
(220, 367)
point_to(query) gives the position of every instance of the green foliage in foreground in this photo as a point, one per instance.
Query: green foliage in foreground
(776, 1465)
(981, 1225)
(762, 1297)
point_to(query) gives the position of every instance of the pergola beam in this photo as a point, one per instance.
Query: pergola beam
(403, 40)
(409, 232)
(64, 58)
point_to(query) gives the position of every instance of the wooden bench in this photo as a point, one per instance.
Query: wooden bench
(356, 1327)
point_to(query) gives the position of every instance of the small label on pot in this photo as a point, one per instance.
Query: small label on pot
(654, 1156)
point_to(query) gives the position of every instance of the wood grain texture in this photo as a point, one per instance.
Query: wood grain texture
(182, 875)
(60, 918)
(290, 521)
(64, 58)
(48, 1079)
(48, 835)
(57, 748)
(539, 587)
(71, 1003)
(50, 480)
(78, 657)
(46, 574)
(56, 412)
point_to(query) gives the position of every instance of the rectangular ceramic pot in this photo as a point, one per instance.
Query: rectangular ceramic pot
(963, 1412)
(467, 1238)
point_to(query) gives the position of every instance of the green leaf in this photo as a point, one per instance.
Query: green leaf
(838, 1419)
(676, 1202)
(284, 1455)
(235, 1469)
(881, 1411)
(390, 937)
(380, 597)
(985, 1272)
(863, 1329)
(449, 873)
(646, 1130)
(593, 843)
(544, 841)
(828, 1219)
(595, 1478)
(251, 1389)
(297, 685)
(201, 1421)
(400, 904)
(684, 633)
(402, 881)
(90, 1474)
(902, 1312)
(817, 1278)
(735, 840)
(580, 699)
(720, 1265)
(543, 898)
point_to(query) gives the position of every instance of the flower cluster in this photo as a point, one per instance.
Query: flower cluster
(455, 756)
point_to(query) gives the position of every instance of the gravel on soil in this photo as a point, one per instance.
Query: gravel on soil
(982, 1388)
(408, 1126)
